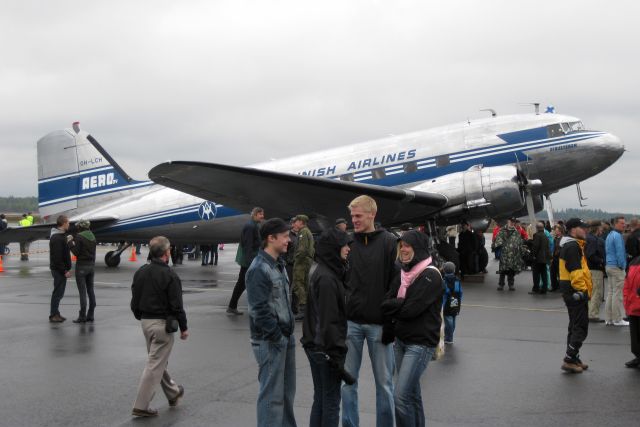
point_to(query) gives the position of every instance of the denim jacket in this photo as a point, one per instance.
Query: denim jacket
(270, 315)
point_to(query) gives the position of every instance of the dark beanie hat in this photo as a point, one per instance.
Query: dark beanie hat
(273, 226)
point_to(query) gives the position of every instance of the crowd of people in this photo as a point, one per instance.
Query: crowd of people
(368, 286)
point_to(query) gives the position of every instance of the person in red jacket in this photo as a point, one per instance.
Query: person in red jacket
(631, 300)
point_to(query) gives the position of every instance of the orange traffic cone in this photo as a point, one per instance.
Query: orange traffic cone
(1, 269)
(133, 257)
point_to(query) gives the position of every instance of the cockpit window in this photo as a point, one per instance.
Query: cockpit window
(554, 130)
(576, 126)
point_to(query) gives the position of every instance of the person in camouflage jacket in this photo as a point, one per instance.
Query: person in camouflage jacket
(303, 258)
(512, 249)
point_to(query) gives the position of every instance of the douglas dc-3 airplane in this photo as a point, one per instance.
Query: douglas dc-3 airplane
(490, 168)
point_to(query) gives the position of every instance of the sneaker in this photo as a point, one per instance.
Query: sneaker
(584, 366)
(621, 323)
(55, 319)
(234, 311)
(80, 320)
(448, 342)
(501, 288)
(635, 363)
(571, 367)
(174, 402)
(90, 319)
(512, 288)
(608, 323)
(144, 412)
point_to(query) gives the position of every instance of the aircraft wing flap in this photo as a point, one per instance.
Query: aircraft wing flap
(285, 194)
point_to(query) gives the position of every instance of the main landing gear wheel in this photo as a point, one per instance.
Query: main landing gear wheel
(112, 260)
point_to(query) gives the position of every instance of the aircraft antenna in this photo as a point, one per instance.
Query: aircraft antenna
(536, 106)
(491, 110)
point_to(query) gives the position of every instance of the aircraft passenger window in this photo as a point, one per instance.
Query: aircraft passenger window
(410, 167)
(554, 131)
(346, 177)
(378, 173)
(442, 161)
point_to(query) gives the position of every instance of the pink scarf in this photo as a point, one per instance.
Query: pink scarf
(407, 277)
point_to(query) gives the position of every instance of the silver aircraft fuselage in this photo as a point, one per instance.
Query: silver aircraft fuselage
(552, 148)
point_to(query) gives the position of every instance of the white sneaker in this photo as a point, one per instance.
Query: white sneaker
(621, 323)
(608, 323)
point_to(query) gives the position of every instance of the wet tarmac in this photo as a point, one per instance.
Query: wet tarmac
(503, 370)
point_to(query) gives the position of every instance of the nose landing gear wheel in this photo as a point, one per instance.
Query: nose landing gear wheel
(111, 260)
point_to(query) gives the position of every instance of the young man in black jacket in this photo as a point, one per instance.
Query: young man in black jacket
(157, 301)
(594, 252)
(83, 246)
(325, 326)
(60, 265)
(247, 250)
(372, 268)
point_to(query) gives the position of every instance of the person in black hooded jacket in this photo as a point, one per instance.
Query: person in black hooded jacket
(325, 326)
(414, 305)
(83, 246)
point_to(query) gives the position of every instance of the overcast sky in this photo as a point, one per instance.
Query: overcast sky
(241, 82)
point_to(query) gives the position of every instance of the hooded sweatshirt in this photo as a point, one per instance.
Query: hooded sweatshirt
(325, 322)
(59, 257)
(373, 269)
(416, 317)
(84, 247)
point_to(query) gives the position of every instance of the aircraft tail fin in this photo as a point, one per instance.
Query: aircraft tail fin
(75, 172)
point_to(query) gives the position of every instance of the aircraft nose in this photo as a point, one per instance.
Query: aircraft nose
(613, 146)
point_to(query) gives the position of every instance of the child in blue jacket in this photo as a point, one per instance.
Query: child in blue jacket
(451, 301)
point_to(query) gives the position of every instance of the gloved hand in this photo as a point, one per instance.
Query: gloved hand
(391, 305)
(388, 334)
(344, 375)
(579, 296)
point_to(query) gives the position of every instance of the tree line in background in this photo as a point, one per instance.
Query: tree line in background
(18, 204)
(586, 214)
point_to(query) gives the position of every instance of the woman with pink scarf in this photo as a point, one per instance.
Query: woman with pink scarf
(414, 305)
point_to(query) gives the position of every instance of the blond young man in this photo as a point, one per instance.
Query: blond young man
(372, 262)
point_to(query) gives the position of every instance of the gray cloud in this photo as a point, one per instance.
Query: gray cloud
(244, 81)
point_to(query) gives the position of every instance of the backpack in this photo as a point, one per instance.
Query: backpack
(452, 303)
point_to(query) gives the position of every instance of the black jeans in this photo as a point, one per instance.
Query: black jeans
(539, 271)
(239, 288)
(59, 285)
(578, 324)
(84, 280)
(510, 275)
(634, 330)
(554, 273)
(325, 411)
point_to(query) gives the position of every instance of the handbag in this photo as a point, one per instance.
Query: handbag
(172, 324)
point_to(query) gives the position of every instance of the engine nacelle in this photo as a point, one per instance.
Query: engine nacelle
(478, 192)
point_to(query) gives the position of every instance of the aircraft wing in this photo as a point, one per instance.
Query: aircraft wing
(285, 195)
(42, 231)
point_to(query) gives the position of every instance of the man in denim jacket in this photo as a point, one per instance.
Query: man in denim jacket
(272, 325)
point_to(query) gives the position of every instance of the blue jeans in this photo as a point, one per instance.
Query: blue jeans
(449, 327)
(277, 376)
(325, 411)
(411, 362)
(382, 363)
